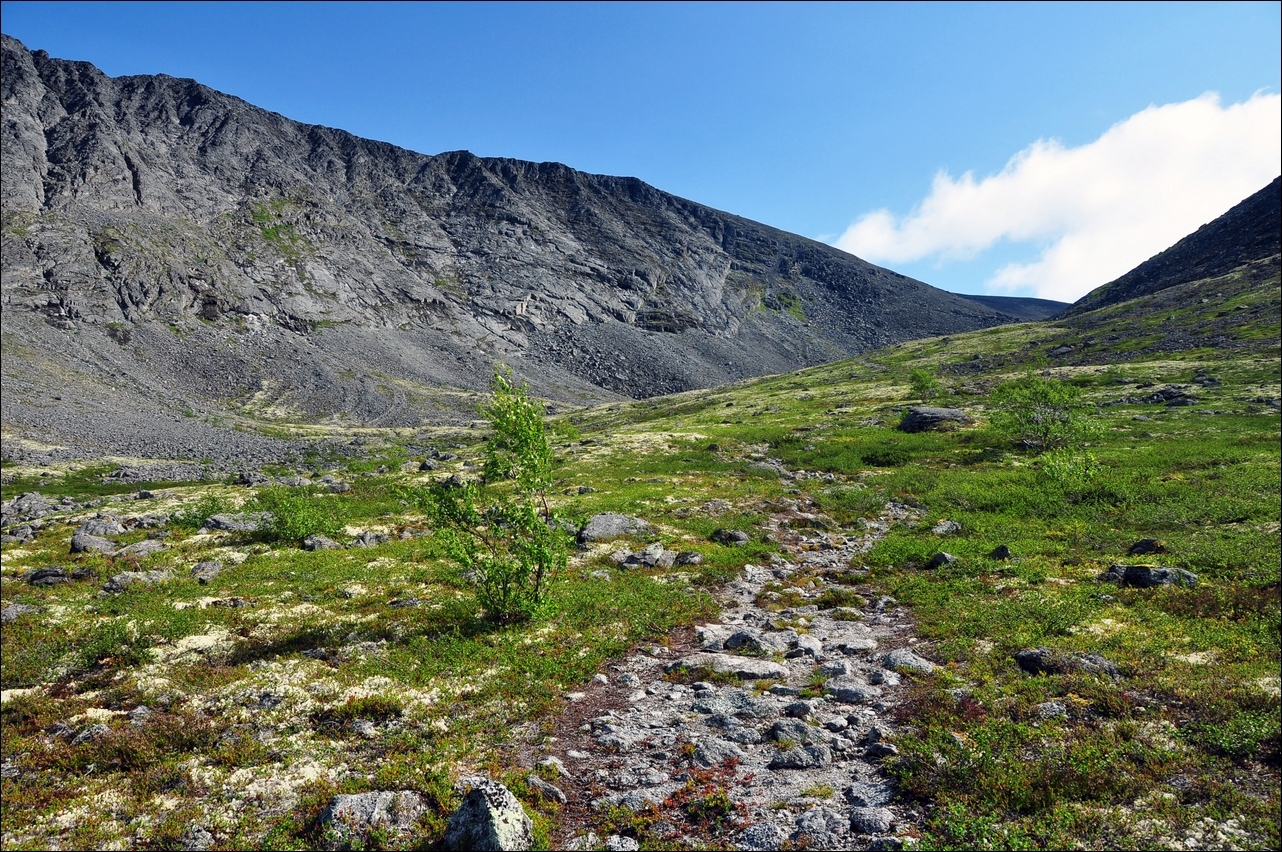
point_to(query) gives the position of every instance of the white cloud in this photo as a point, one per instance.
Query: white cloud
(1099, 209)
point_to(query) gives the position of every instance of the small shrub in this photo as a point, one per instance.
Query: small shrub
(1040, 412)
(1069, 469)
(501, 531)
(194, 516)
(296, 516)
(925, 386)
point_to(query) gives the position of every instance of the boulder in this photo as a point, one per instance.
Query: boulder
(490, 818)
(1146, 547)
(238, 522)
(82, 542)
(1047, 661)
(609, 525)
(129, 578)
(546, 790)
(940, 559)
(731, 538)
(320, 542)
(924, 418)
(9, 613)
(1000, 552)
(871, 820)
(203, 572)
(851, 690)
(47, 576)
(1147, 577)
(803, 757)
(797, 732)
(102, 525)
(902, 659)
(348, 820)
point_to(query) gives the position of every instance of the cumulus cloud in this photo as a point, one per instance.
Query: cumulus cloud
(1096, 210)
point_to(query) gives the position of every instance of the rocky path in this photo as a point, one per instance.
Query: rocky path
(726, 762)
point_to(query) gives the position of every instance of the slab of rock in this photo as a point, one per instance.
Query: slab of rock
(747, 668)
(904, 660)
(1146, 547)
(320, 542)
(82, 542)
(871, 820)
(546, 790)
(9, 614)
(1148, 577)
(796, 731)
(735, 703)
(348, 820)
(925, 418)
(612, 525)
(129, 578)
(762, 837)
(731, 538)
(712, 751)
(142, 548)
(238, 522)
(852, 690)
(47, 576)
(803, 757)
(823, 827)
(1047, 661)
(865, 794)
(102, 525)
(203, 572)
(490, 818)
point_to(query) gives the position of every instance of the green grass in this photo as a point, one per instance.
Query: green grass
(318, 671)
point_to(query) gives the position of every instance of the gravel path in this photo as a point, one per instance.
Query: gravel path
(799, 771)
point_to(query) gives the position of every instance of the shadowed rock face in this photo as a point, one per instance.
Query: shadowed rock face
(166, 242)
(1248, 232)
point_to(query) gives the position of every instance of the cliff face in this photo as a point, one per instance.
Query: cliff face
(1247, 233)
(164, 239)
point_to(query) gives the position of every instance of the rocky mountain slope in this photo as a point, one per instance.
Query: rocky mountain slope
(169, 247)
(1247, 233)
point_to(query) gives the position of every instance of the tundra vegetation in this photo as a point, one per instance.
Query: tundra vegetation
(294, 675)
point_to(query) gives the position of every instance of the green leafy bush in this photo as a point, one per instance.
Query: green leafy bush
(501, 531)
(925, 386)
(295, 516)
(1040, 412)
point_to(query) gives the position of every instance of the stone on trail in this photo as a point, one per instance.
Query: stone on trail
(871, 820)
(762, 837)
(747, 668)
(796, 731)
(611, 525)
(851, 690)
(924, 418)
(902, 659)
(347, 821)
(803, 757)
(490, 818)
(546, 790)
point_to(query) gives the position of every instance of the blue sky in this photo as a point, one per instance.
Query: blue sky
(836, 121)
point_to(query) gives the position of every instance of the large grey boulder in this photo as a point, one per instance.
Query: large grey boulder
(926, 418)
(490, 818)
(348, 820)
(83, 542)
(612, 525)
(851, 690)
(1148, 577)
(101, 525)
(904, 660)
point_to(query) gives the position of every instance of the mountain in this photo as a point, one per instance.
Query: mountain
(169, 248)
(1023, 308)
(1247, 233)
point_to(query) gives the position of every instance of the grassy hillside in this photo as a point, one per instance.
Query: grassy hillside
(293, 675)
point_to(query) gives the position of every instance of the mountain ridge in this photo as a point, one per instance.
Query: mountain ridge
(138, 205)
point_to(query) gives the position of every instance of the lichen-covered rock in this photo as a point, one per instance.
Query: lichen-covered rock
(490, 818)
(612, 525)
(347, 821)
(924, 418)
(904, 660)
